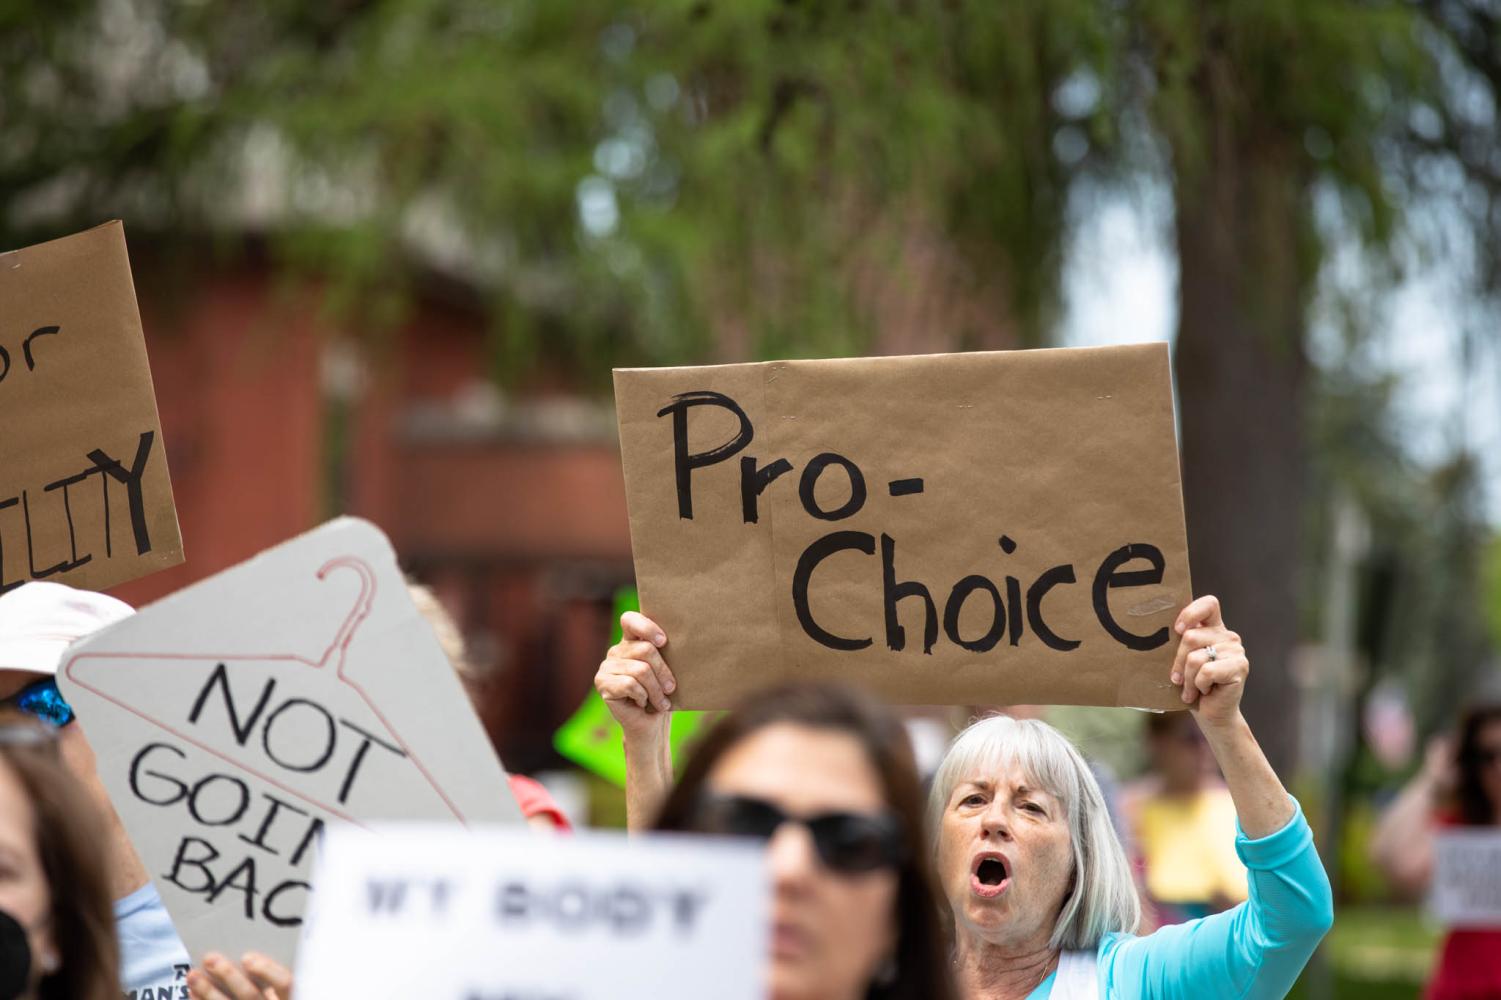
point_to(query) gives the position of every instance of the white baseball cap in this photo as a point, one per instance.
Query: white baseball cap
(39, 620)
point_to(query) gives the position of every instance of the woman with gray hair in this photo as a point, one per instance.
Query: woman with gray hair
(1040, 893)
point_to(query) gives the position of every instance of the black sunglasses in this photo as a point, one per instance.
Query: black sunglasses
(42, 700)
(1486, 756)
(847, 842)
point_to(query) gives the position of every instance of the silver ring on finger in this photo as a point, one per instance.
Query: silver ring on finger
(1210, 654)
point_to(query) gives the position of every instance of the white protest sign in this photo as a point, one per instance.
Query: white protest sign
(498, 915)
(1466, 889)
(236, 719)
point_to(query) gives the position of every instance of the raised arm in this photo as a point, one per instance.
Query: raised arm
(1257, 949)
(1403, 842)
(1212, 667)
(635, 683)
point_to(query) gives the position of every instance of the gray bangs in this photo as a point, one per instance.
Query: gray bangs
(999, 742)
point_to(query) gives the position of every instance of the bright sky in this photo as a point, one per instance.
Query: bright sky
(1121, 287)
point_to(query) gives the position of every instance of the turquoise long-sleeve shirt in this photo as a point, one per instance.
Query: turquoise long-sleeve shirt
(1254, 951)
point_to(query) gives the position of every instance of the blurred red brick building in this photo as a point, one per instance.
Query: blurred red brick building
(513, 512)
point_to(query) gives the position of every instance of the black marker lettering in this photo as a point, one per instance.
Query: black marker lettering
(132, 481)
(685, 462)
(1035, 594)
(11, 502)
(685, 907)
(268, 905)
(36, 574)
(330, 740)
(41, 331)
(1109, 576)
(629, 910)
(814, 469)
(955, 604)
(385, 897)
(246, 869)
(512, 901)
(753, 483)
(892, 592)
(314, 829)
(814, 554)
(68, 513)
(201, 862)
(571, 907)
(359, 757)
(179, 790)
(259, 840)
(1014, 609)
(220, 676)
(241, 801)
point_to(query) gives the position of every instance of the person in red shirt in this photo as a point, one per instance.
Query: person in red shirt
(1458, 785)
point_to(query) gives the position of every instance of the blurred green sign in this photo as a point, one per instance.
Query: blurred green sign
(592, 738)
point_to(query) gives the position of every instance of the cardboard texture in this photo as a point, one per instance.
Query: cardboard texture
(237, 718)
(1019, 514)
(85, 498)
(498, 914)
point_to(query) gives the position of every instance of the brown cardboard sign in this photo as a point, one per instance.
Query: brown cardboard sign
(85, 498)
(983, 528)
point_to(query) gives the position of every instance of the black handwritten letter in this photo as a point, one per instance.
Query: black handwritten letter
(63, 485)
(180, 791)
(385, 897)
(1035, 594)
(41, 331)
(132, 481)
(1109, 577)
(220, 677)
(955, 604)
(814, 554)
(330, 741)
(4, 584)
(753, 483)
(892, 592)
(268, 906)
(259, 840)
(243, 879)
(814, 469)
(239, 804)
(685, 462)
(359, 757)
(201, 862)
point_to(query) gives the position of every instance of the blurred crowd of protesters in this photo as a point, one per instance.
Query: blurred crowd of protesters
(1038, 896)
(1459, 785)
(1182, 821)
(1017, 841)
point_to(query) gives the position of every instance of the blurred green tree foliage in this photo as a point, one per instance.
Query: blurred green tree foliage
(658, 181)
(679, 180)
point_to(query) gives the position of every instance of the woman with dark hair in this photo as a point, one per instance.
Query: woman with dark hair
(1456, 786)
(826, 777)
(53, 882)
